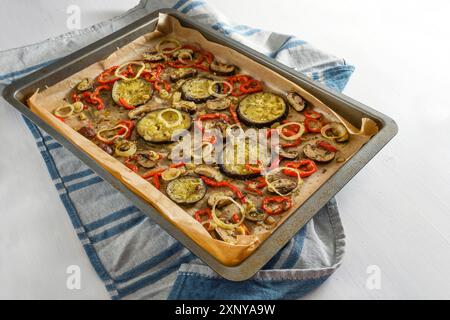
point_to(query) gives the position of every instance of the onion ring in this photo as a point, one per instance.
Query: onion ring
(58, 111)
(269, 184)
(219, 95)
(220, 223)
(118, 74)
(295, 136)
(168, 40)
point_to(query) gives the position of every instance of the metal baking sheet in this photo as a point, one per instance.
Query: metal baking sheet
(17, 93)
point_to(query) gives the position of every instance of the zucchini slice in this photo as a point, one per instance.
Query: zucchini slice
(197, 90)
(153, 130)
(262, 109)
(135, 92)
(186, 190)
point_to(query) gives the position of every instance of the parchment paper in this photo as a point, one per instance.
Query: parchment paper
(44, 102)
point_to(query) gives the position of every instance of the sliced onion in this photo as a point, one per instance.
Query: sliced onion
(334, 126)
(220, 223)
(184, 53)
(219, 95)
(168, 40)
(59, 111)
(108, 140)
(276, 170)
(212, 225)
(295, 136)
(78, 107)
(171, 174)
(118, 74)
(170, 124)
(131, 149)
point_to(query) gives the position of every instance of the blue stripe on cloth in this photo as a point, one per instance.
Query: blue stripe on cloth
(117, 229)
(239, 29)
(77, 175)
(179, 4)
(73, 213)
(192, 5)
(193, 286)
(81, 185)
(119, 214)
(54, 145)
(154, 277)
(150, 263)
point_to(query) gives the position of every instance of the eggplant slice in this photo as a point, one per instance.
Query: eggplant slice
(218, 104)
(262, 109)
(197, 90)
(231, 167)
(186, 190)
(182, 73)
(152, 130)
(222, 69)
(316, 153)
(134, 92)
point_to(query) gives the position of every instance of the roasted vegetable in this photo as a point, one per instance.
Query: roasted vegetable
(140, 111)
(209, 172)
(153, 57)
(262, 109)
(171, 174)
(125, 148)
(314, 152)
(232, 166)
(182, 73)
(87, 132)
(147, 159)
(255, 215)
(134, 92)
(186, 106)
(296, 101)
(283, 186)
(221, 197)
(222, 69)
(335, 131)
(85, 85)
(291, 154)
(218, 104)
(186, 190)
(158, 126)
(196, 90)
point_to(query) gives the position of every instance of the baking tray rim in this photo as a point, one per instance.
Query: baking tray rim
(252, 264)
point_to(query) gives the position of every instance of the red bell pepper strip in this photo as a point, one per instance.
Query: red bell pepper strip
(105, 76)
(131, 166)
(254, 190)
(234, 114)
(306, 167)
(157, 84)
(312, 125)
(156, 182)
(125, 104)
(251, 86)
(312, 115)
(283, 204)
(98, 101)
(235, 218)
(227, 184)
(203, 212)
(295, 143)
(327, 146)
(212, 116)
(151, 173)
(129, 124)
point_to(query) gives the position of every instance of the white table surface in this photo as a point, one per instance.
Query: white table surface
(396, 211)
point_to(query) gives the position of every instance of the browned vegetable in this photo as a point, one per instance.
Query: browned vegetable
(87, 132)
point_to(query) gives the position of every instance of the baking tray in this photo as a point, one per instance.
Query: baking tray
(17, 93)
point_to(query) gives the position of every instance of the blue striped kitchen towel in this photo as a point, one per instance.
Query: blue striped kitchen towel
(133, 256)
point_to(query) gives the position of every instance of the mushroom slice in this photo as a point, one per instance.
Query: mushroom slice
(222, 69)
(153, 57)
(139, 111)
(213, 198)
(209, 172)
(283, 186)
(218, 104)
(171, 174)
(85, 85)
(296, 101)
(182, 73)
(316, 153)
(186, 106)
(292, 154)
(255, 215)
(226, 235)
(147, 159)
